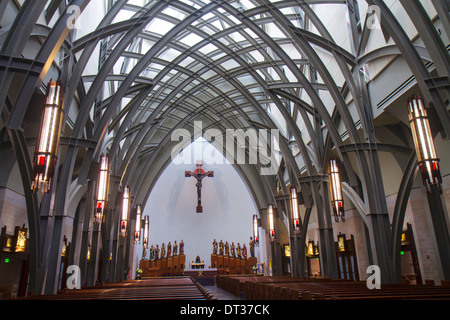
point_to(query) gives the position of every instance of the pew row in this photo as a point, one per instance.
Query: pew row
(183, 288)
(289, 288)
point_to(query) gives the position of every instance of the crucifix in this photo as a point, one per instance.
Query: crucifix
(199, 174)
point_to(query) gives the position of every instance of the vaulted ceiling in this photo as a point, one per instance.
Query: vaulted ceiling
(160, 66)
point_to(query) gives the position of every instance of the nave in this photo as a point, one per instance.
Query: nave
(316, 132)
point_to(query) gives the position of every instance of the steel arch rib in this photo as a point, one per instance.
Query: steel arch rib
(160, 107)
(293, 68)
(139, 142)
(248, 96)
(247, 69)
(431, 95)
(86, 55)
(401, 202)
(374, 191)
(140, 66)
(429, 35)
(98, 83)
(375, 204)
(332, 87)
(95, 87)
(45, 55)
(308, 86)
(16, 40)
(181, 57)
(20, 148)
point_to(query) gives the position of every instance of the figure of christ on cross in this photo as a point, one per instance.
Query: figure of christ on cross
(199, 174)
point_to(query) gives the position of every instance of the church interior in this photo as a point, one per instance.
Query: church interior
(226, 149)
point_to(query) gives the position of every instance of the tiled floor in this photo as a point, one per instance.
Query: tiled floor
(220, 294)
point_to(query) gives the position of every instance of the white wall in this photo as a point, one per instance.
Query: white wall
(227, 210)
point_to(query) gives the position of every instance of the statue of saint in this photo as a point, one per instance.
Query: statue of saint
(244, 252)
(163, 251)
(175, 248)
(221, 248)
(157, 252)
(227, 248)
(181, 247)
(152, 253)
(239, 251)
(169, 249)
(144, 253)
(252, 247)
(214, 246)
(233, 250)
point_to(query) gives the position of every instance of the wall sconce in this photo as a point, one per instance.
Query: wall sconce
(341, 242)
(137, 232)
(102, 190)
(271, 222)
(255, 230)
(46, 152)
(125, 211)
(146, 231)
(310, 248)
(423, 142)
(89, 252)
(337, 200)
(294, 210)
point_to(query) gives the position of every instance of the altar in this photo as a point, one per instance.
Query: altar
(197, 263)
(205, 277)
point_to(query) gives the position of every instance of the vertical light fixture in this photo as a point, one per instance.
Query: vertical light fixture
(423, 142)
(294, 210)
(146, 231)
(125, 211)
(431, 177)
(46, 152)
(271, 222)
(102, 189)
(137, 232)
(255, 229)
(337, 200)
(89, 252)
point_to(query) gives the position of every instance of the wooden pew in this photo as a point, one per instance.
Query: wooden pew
(234, 284)
(264, 288)
(273, 288)
(150, 289)
(358, 291)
